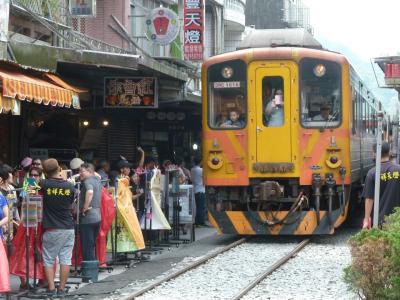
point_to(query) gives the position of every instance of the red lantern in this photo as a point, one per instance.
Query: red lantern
(161, 25)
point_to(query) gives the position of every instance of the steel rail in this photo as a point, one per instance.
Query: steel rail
(184, 270)
(271, 269)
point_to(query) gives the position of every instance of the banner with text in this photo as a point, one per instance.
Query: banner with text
(193, 15)
(130, 92)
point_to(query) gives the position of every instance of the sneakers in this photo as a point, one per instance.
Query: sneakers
(50, 293)
(61, 293)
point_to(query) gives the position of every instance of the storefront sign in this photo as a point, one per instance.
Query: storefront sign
(82, 8)
(130, 92)
(193, 15)
(4, 16)
(162, 26)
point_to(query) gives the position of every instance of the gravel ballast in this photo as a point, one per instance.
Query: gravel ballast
(315, 273)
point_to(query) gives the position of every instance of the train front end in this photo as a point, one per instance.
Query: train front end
(276, 141)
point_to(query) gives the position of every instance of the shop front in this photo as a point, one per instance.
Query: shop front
(23, 91)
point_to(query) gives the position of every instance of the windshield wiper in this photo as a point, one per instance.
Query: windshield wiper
(330, 119)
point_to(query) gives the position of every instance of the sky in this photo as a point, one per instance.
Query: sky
(368, 27)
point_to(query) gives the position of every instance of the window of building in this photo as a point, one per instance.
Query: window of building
(320, 93)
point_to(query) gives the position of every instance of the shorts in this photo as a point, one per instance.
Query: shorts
(58, 243)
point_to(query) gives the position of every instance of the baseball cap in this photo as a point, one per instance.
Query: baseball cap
(76, 163)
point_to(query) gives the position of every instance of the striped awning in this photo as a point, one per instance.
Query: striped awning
(26, 87)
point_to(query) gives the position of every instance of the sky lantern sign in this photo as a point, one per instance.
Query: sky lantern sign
(162, 26)
(193, 14)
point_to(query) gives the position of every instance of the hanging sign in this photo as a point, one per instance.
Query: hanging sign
(162, 26)
(137, 92)
(193, 15)
(82, 8)
(4, 17)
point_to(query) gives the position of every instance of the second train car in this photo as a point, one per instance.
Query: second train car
(287, 136)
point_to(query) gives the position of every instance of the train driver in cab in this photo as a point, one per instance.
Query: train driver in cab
(274, 110)
(325, 113)
(234, 120)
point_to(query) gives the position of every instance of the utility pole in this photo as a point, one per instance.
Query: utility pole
(378, 169)
(4, 19)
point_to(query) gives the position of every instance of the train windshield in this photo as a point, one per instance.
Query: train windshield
(320, 93)
(227, 101)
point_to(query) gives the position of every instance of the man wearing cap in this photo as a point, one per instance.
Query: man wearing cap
(75, 164)
(58, 224)
(324, 114)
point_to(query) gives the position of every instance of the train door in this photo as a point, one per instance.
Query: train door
(273, 113)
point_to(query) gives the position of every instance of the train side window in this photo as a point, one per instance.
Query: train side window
(320, 93)
(273, 101)
(227, 105)
(354, 113)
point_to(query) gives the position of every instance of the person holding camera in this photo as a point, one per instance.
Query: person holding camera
(274, 111)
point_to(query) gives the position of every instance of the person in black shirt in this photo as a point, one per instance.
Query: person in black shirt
(58, 224)
(389, 193)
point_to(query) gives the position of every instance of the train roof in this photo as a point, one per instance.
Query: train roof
(289, 37)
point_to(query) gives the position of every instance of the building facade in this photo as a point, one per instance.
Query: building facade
(112, 43)
(276, 14)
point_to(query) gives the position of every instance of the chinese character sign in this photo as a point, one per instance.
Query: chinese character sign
(130, 92)
(82, 8)
(193, 28)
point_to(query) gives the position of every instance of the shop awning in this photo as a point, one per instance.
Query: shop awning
(24, 87)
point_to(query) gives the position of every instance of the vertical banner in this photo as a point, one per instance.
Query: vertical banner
(4, 17)
(193, 15)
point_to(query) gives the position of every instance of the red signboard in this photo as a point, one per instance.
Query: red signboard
(193, 15)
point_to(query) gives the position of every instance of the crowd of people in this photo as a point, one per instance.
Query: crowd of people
(67, 194)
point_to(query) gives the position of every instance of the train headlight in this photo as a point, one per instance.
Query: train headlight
(333, 161)
(215, 160)
(319, 70)
(227, 72)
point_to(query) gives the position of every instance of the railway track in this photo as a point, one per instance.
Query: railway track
(271, 269)
(274, 265)
(184, 270)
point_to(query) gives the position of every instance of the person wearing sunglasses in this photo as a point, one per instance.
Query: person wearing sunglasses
(35, 174)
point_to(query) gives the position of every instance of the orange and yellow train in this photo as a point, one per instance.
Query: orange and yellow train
(287, 139)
